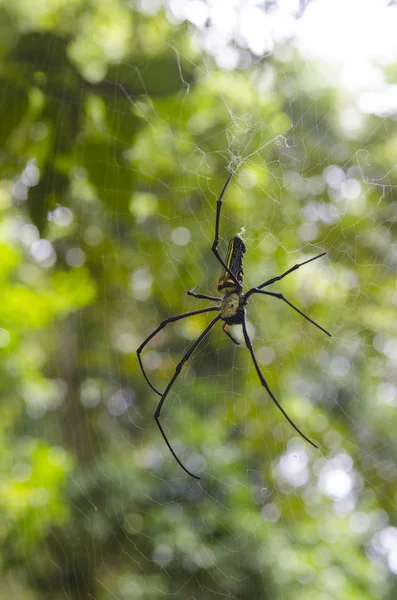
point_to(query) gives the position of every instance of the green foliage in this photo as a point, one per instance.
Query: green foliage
(115, 134)
(32, 500)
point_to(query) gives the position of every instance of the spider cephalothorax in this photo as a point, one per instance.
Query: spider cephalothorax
(231, 310)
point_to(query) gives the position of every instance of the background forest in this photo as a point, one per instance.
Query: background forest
(119, 124)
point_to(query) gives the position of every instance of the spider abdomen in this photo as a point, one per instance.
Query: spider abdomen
(232, 309)
(234, 262)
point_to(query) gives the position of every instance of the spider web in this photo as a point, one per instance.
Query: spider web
(297, 476)
(271, 517)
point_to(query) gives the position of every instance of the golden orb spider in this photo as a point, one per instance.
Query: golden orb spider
(231, 310)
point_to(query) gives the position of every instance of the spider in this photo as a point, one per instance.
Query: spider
(231, 310)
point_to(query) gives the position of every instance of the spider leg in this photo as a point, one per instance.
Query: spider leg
(263, 381)
(216, 239)
(229, 334)
(278, 277)
(281, 297)
(193, 293)
(169, 386)
(159, 328)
